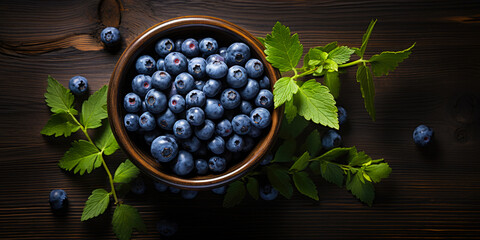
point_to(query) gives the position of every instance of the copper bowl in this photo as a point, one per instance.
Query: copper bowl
(120, 84)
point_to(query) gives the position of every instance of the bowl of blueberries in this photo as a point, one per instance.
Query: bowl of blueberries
(190, 102)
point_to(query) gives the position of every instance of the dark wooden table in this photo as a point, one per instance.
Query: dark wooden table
(430, 194)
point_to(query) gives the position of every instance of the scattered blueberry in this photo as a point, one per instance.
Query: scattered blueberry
(342, 115)
(220, 190)
(266, 159)
(188, 194)
(110, 36)
(331, 139)
(161, 187)
(268, 192)
(137, 186)
(422, 135)
(58, 200)
(167, 228)
(78, 85)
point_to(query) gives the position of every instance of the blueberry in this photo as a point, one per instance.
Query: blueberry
(131, 122)
(217, 145)
(250, 90)
(160, 64)
(195, 98)
(212, 87)
(164, 148)
(422, 135)
(150, 136)
(248, 144)
(264, 83)
(144, 107)
(237, 54)
(178, 45)
(237, 76)
(254, 131)
(164, 47)
(208, 46)
(216, 69)
(195, 116)
(175, 63)
(213, 109)
(190, 48)
(137, 186)
(176, 103)
(264, 98)
(331, 139)
(189, 194)
(184, 83)
(132, 103)
(161, 187)
(266, 159)
(230, 98)
(156, 101)
(167, 228)
(182, 129)
(222, 52)
(78, 85)
(166, 120)
(197, 67)
(192, 144)
(235, 143)
(174, 190)
(184, 163)
(173, 91)
(220, 190)
(161, 80)
(260, 117)
(217, 164)
(342, 115)
(58, 200)
(246, 107)
(205, 131)
(146, 121)
(215, 57)
(141, 84)
(268, 192)
(199, 84)
(145, 65)
(224, 128)
(254, 68)
(110, 36)
(201, 166)
(241, 124)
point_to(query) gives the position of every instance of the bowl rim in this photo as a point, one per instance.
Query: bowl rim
(120, 133)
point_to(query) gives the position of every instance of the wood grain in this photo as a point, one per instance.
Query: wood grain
(431, 194)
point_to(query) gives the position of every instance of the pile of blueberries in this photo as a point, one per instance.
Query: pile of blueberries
(199, 105)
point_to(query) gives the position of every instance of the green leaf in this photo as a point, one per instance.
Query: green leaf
(82, 156)
(361, 51)
(316, 57)
(305, 185)
(330, 65)
(283, 90)
(285, 151)
(106, 141)
(58, 98)
(378, 171)
(252, 187)
(301, 163)
(235, 194)
(125, 219)
(94, 110)
(315, 102)
(358, 159)
(340, 55)
(313, 143)
(332, 81)
(280, 179)
(364, 77)
(96, 204)
(261, 40)
(125, 172)
(60, 124)
(290, 111)
(282, 49)
(328, 47)
(292, 129)
(332, 173)
(361, 189)
(385, 62)
(335, 153)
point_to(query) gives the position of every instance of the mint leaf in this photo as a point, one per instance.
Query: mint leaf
(96, 204)
(125, 172)
(282, 49)
(332, 81)
(332, 173)
(125, 219)
(341, 54)
(261, 40)
(252, 187)
(94, 110)
(280, 179)
(290, 111)
(378, 171)
(364, 77)
(361, 51)
(315, 102)
(305, 185)
(316, 57)
(385, 62)
(58, 98)
(328, 47)
(335, 153)
(285, 151)
(361, 189)
(82, 156)
(289, 130)
(359, 159)
(330, 65)
(235, 194)
(313, 143)
(106, 141)
(60, 124)
(301, 163)
(283, 90)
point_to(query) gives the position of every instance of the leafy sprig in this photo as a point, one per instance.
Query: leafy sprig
(87, 155)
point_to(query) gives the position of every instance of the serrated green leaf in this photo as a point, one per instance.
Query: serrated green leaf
(335, 153)
(82, 156)
(282, 49)
(94, 110)
(330, 65)
(125, 219)
(328, 47)
(305, 185)
(316, 57)
(364, 77)
(301, 163)
(332, 81)
(261, 40)
(106, 141)
(285, 151)
(341, 54)
(235, 194)
(290, 111)
(125, 172)
(377, 172)
(361, 51)
(358, 159)
(332, 173)
(313, 143)
(283, 90)
(60, 124)
(58, 98)
(280, 179)
(96, 204)
(387, 61)
(361, 189)
(289, 130)
(253, 187)
(315, 102)
(306, 59)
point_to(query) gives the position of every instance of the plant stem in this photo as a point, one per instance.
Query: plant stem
(352, 63)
